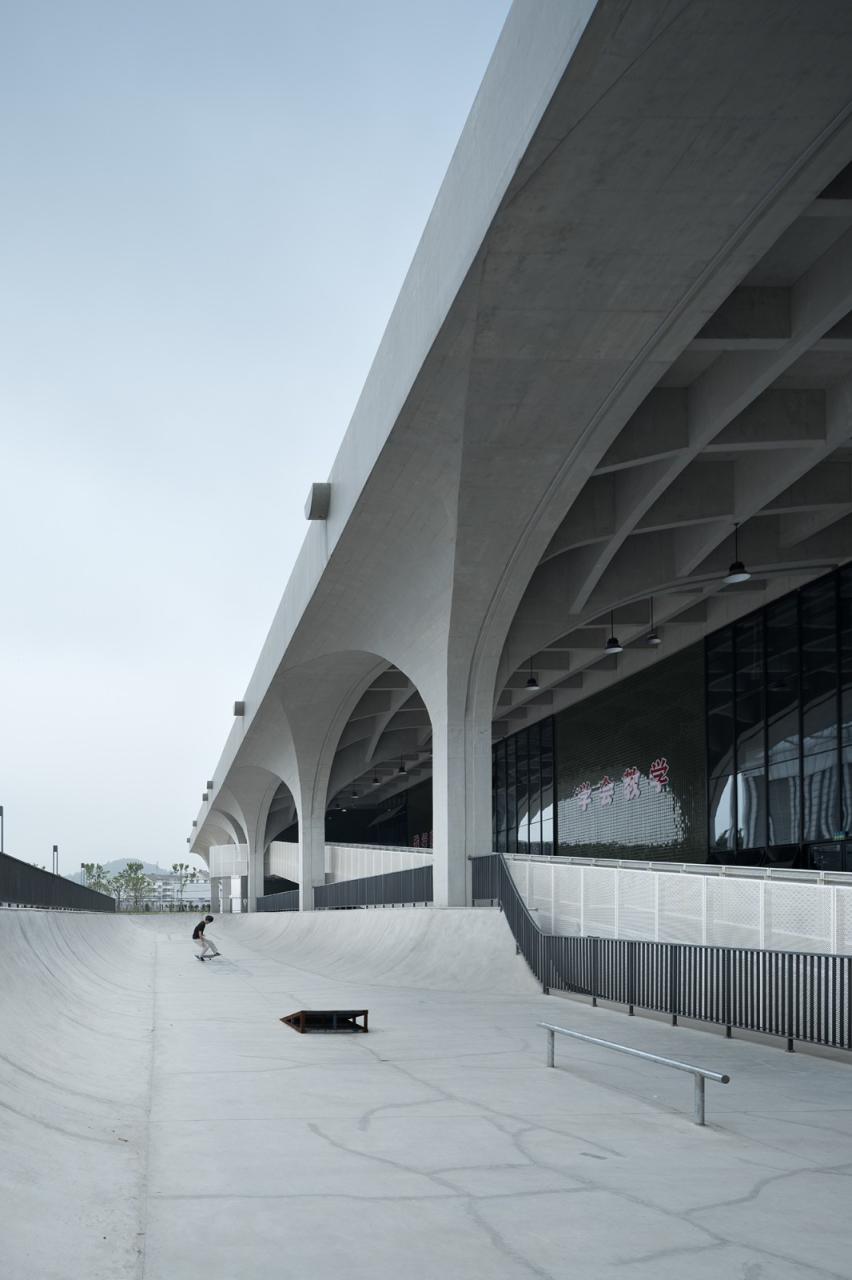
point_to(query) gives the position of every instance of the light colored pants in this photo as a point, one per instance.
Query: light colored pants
(206, 946)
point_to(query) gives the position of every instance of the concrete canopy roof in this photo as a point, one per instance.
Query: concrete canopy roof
(626, 329)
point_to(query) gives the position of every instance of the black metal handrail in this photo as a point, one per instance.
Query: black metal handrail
(805, 996)
(394, 888)
(22, 885)
(286, 901)
(411, 886)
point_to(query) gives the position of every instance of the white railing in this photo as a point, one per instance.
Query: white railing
(352, 862)
(228, 860)
(347, 862)
(283, 860)
(798, 874)
(688, 903)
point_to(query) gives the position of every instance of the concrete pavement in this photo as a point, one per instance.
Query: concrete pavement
(437, 1144)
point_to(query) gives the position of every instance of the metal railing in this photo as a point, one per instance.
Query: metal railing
(699, 1073)
(710, 870)
(796, 995)
(409, 887)
(286, 901)
(22, 885)
(395, 888)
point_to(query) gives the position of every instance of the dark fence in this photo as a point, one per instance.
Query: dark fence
(394, 888)
(286, 901)
(797, 995)
(27, 886)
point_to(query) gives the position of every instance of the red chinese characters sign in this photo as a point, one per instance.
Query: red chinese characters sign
(583, 795)
(659, 774)
(631, 785)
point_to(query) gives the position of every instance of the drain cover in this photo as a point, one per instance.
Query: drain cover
(327, 1020)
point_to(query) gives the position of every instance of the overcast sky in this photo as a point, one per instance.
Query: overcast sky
(207, 208)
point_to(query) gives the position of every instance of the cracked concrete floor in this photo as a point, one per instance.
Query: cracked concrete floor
(439, 1144)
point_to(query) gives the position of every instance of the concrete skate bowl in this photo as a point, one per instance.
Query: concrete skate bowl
(462, 950)
(76, 1012)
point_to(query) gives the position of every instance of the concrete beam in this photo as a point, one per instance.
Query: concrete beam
(751, 319)
(776, 419)
(658, 429)
(705, 491)
(819, 300)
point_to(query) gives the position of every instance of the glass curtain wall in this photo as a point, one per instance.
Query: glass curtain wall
(779, 722)
(522, 791)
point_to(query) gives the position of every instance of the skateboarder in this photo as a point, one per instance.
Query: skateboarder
(204, 944)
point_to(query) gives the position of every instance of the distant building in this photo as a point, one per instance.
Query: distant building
(167, 890)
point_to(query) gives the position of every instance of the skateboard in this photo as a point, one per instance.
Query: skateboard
(213, 957)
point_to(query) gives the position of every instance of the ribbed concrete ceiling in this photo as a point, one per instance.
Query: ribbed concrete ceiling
(750, 425)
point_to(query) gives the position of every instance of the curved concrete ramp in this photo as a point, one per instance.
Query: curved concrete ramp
(158, 1122)
(441, 950)
(76, 1012)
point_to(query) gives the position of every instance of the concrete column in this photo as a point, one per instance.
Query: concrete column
(461, 805)
(255, 874)
(311, 850)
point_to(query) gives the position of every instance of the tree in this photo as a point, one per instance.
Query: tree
(118, 887)
(96, 877)
(185, 874)
(137, 886)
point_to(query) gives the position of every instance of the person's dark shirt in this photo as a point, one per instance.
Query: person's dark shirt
(198, 931)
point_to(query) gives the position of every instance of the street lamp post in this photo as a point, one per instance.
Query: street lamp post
(56, 859)
(2, 832)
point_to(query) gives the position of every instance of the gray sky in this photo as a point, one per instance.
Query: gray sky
(207, 210)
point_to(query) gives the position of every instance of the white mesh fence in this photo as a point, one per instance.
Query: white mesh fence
(686, 906)
(228, 860)
(345, 862)
(282, 859)
(351, 862)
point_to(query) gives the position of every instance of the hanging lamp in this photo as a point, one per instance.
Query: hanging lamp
(737, 571)
(612, 645)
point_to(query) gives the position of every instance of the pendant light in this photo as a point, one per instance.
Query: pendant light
(612, 645)
(653, 638)
(375, 779)
(532, 683)
(737, 572)
(402, 769)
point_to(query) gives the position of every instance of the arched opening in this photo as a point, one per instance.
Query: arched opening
(380, 781)
(281, 843)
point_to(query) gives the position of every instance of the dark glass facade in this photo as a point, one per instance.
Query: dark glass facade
(736, 750)
(631, 776)
(779, 725)
(522, 814)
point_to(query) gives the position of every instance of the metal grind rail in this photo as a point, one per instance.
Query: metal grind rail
(699, 1073)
